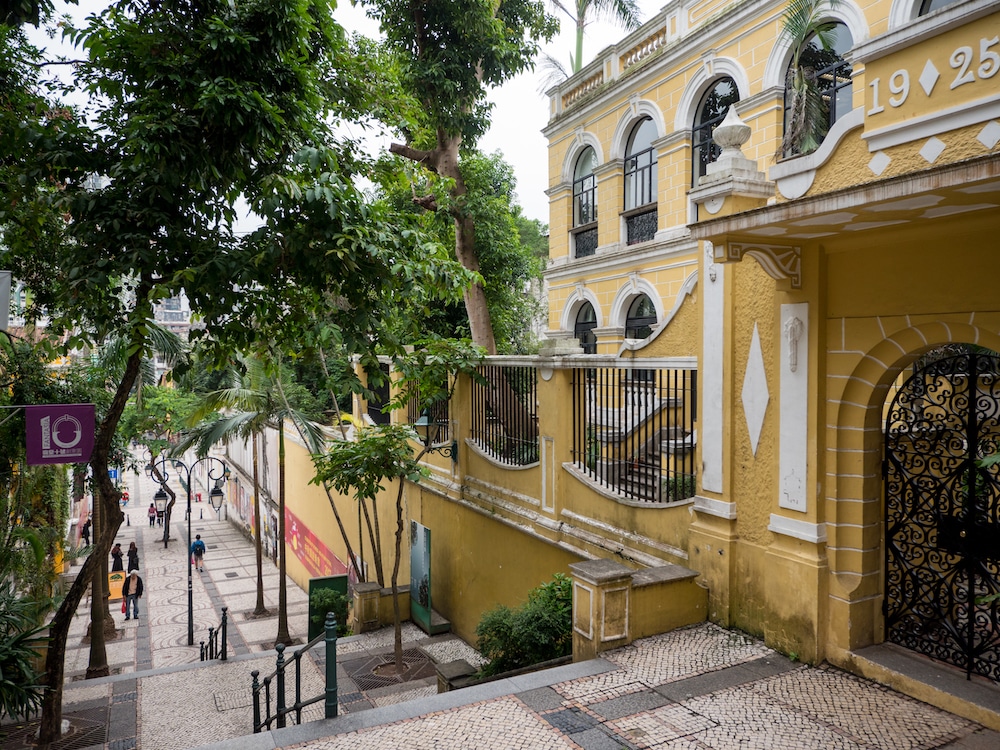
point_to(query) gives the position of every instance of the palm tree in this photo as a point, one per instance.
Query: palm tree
(623, 12)
(262, 396)
(806, 120)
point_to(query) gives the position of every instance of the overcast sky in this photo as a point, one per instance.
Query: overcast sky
(520, 112)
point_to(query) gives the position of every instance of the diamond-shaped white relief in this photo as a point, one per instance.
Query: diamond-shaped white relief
(932, 150)
(755, 394)
(878, 163)
(929, 77)
(989, 136)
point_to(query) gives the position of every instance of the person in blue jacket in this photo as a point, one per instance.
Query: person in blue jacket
(198, 552)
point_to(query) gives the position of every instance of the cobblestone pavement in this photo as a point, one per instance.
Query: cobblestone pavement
(701, 687)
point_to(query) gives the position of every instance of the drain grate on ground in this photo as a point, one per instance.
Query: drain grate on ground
(362, 671)
(87, 728)
(83, 675)
(231, 574)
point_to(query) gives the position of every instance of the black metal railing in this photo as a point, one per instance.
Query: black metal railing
(634, 431)
(270, 706)
(504, 421)
(217, 646)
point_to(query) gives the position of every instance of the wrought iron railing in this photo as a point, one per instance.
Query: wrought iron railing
(504, 420)
(270, 700)
(217, 647)
(634, 431)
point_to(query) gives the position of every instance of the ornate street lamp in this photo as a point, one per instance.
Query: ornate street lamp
(218, 472)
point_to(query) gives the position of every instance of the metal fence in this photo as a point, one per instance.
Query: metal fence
(504, 420)
(216, 647)
(634, 431)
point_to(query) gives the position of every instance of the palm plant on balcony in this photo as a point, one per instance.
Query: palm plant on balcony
(806, 117)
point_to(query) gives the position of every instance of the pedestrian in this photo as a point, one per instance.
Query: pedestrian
(116, 557)
(133, 557)
(152, 515)
(132, 591)
(198, 552)
(85, 533)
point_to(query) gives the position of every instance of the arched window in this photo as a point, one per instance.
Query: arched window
(823, 81)
(929, 6)
(712, 110)
(640, 182)
(641, 318)
(585, 204)
(583, 329)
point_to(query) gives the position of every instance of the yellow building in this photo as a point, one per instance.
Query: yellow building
(833, 290)
(786, 370)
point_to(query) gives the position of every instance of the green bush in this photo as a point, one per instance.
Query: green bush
(323, 601)
(540, 630)
(20, 684)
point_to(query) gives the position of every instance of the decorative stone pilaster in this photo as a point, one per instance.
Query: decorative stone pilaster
(601, 592)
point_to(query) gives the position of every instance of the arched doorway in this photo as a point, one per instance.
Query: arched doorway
(942, 501)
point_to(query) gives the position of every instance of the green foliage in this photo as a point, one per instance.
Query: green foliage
(806, 120)
(678, 487)
(20, 684)
(323, 601)
(540, 630)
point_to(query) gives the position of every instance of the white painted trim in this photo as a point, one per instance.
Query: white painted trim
(581, 140)
(846, 11)
(686, 289)
(793, 403)
(795, 176)
(546, 446)
(934, 123)
(712, 379)
(631, 289)
(634, 111)
(606, 636)
(590, 616)
(718, 508)
(711, 70)
(807, 532)
(572, 306)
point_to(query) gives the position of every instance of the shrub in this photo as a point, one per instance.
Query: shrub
(20, 639)
(540, 630)
(329, 600)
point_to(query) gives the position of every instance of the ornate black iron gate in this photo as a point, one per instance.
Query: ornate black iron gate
(942, 529)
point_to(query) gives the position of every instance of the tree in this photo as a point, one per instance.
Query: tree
(386, 452)
(449, 53)
(807, 119)
(624, 12)
(194, 104)
(263, 396)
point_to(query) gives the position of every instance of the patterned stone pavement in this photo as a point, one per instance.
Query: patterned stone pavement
(701, 688)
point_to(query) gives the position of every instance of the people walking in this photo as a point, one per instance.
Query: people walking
(152, 515)
(132, 591)
(116, 557)
(85, 533)
(133, 557)
(198, 552)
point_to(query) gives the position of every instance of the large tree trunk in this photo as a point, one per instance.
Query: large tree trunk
(397, 620)
(443, 160)
(283, 635)
(259, 609)
(51, 720)
(97, 665)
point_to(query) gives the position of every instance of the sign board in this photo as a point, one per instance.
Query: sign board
(59, 433)
(420, 575)
(116, 579)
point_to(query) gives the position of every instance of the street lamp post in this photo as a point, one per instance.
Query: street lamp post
(218, 472)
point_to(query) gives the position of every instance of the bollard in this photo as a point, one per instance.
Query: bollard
(225, 648)
(202, 652)
(211, 643)
(330, 707)
(201, 514)
(128, 520)
(279, 698)
(255, 689)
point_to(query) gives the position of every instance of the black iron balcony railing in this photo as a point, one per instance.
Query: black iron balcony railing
(634, 431)
(504, 420)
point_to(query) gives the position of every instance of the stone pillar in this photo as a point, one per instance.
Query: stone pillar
(601, 599)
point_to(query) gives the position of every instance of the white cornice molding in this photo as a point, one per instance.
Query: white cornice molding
(807, 532)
